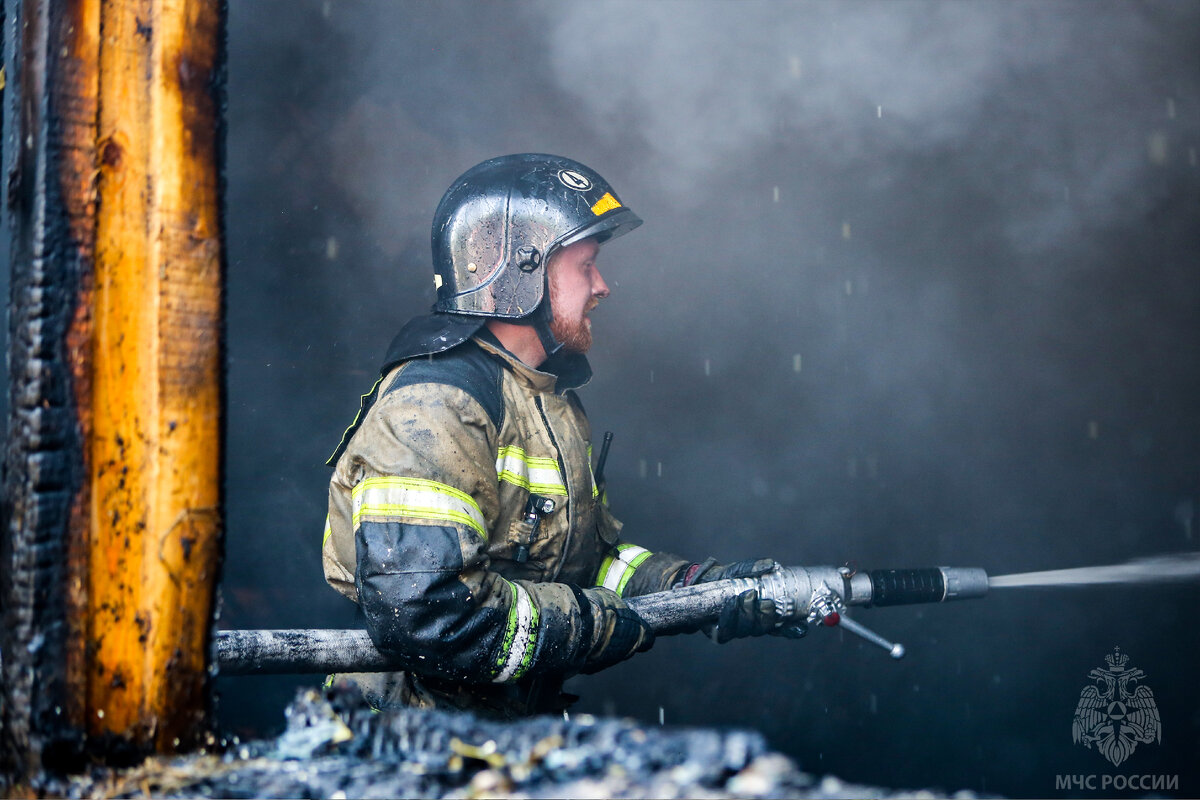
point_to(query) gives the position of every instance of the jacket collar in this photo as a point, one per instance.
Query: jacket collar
(439, 332)
(558, 374)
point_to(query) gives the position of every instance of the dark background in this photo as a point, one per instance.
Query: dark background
(919, 284)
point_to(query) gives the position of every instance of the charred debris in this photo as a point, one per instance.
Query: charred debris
(336, 746)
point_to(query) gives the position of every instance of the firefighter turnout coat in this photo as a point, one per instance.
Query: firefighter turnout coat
(430, 529)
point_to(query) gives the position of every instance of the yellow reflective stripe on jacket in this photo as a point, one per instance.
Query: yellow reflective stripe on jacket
(618, 567)
(537, 475)
(520, 638)
(396, 498)
(328, 531)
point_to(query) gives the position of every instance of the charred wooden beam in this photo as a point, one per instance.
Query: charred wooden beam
(155, 457)
(111, 542)
(52, 77)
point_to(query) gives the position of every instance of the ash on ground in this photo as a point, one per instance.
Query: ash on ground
(336, 746)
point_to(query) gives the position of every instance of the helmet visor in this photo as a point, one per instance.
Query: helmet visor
(617, 222)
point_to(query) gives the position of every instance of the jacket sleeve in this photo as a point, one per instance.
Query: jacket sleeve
(630, 570)
(424, 501)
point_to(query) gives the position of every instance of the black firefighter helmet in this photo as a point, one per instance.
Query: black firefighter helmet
(498, 225)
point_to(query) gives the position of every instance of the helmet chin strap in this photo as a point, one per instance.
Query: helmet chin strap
(540, 319)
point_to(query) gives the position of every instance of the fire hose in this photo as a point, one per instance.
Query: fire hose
(803, 596)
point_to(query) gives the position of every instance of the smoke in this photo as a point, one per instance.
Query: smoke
(710, 81)
(707, 84)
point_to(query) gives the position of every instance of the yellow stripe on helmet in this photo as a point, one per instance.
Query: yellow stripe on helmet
(606, 203)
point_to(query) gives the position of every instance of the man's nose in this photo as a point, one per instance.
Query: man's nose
(599, 287)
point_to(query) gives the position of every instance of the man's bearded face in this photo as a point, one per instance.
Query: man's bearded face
(574, 332)
(575, 289)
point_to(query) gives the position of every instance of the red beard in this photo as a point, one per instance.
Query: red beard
(575, 335)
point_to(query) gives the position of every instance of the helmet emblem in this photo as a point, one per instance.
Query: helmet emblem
(574, 180)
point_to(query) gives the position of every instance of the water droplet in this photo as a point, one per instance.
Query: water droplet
(1156, 148)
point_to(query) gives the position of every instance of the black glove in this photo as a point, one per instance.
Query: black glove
(709, 570)
(612, 630)
(747, 614)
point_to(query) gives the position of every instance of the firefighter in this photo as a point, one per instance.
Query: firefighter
(464, 516)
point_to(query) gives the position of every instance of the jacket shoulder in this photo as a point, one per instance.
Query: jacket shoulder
(467, 367)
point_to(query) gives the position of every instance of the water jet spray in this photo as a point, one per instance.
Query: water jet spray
(1169, 568)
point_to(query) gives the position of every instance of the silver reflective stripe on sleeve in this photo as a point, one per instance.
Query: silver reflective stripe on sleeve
(520, 638)
(537, 475)
(391, 499)
(617, 568)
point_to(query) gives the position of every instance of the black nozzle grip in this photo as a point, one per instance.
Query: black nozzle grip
(898, 587)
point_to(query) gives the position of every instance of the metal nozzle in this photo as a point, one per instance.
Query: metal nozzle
(894, 587)
(964, 582)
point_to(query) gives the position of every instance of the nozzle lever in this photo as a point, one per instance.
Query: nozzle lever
(828, 607)
(894, 648)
